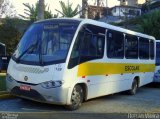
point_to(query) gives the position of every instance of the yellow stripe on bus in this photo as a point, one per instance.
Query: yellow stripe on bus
(90, 69)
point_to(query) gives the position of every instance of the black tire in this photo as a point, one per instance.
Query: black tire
(134, 87)
(76, 98)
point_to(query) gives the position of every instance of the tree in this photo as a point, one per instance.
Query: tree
(146, 6)
(7, 9)
(67, 10)
(31, 12)
(148, 2)
(9, 35)
(41, 10)
(151, 25)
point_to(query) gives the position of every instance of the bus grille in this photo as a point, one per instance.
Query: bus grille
(31, 69)
(28, 94)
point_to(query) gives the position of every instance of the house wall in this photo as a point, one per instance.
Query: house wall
(131, 2)
(119, 11)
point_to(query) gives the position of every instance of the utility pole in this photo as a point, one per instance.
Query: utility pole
(106, 3)
(41, 10)
(98, 3)
(84, 8)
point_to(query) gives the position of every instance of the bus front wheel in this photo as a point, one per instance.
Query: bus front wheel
(76, 98)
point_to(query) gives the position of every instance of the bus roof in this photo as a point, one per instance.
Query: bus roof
(100, 24)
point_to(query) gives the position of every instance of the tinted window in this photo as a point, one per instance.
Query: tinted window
(157, 53)
(131, 47)
(92, 45)
(115, 44)
(151, 49)
(143, 48)
(89, 45)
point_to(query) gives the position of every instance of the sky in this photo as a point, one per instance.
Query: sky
(54, 4)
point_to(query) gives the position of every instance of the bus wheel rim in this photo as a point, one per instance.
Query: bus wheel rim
(76, 98)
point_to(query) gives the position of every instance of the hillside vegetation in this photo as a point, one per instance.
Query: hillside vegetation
(148, 24)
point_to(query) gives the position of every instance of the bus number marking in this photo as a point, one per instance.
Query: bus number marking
(58, 68)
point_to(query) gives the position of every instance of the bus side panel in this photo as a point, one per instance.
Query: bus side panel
(157, 70)
(145, 78)
(157, 74)
(110, 84)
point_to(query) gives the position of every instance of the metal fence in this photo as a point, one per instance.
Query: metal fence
(4, 60)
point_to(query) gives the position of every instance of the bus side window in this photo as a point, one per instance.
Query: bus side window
(157, 53)
(100, 47)
(76, 49)
(115, 44)
(131, 47)
(85, 46)
(151, 45)
(75, 54)
(143, 48)
(88, 46)
(92, 46)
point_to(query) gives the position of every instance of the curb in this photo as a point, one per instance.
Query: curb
(2, 74)
(5, 95)
(3, 92)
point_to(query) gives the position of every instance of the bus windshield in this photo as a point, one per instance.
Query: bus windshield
(45, 43)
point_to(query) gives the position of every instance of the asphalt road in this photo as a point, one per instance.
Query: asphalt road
(147, 100)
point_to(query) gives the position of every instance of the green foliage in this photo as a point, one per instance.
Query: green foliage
(67, 10)
(147, 24)
(31, 12)
(151, 24)
(2, 83)
(9, 35)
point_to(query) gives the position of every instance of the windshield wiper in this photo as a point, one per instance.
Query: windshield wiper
(29, 48)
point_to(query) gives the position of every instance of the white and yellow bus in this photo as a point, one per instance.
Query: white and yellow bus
(157, 69)
(68, 61)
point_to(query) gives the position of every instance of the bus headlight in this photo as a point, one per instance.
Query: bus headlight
(51, 84)
(9, 78)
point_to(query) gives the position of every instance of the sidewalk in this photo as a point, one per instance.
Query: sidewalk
(2, 74)
(3, 93)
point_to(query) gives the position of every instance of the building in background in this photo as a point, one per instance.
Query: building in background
(134, 3)
(127, 9)
(124, 10)
(96, 12)
(150, 6)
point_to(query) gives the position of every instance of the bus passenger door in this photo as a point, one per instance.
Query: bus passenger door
(91, 60)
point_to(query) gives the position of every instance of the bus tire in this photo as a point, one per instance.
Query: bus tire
(76, 98)
(134, 87)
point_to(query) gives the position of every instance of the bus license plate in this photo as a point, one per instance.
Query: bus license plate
(24, 87)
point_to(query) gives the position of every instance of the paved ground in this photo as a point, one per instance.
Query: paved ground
(147, 100)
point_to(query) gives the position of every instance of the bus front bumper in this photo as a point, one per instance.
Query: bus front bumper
(58, 95)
